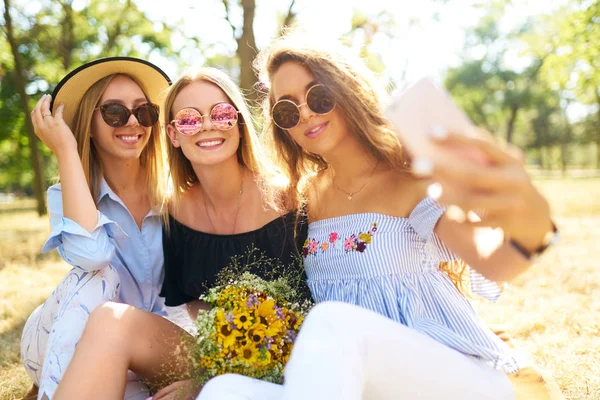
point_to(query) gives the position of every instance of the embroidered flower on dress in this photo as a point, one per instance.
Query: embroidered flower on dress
(353, 243)
(313, 247)
(361, 246)
(349, 244)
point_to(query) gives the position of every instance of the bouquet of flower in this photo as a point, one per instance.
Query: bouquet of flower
(251, 326)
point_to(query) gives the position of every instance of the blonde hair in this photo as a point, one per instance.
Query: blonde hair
(356, 98)
(151, 157)
(249, 153)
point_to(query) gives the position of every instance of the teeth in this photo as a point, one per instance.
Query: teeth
(314, 129)
(211, 143)
(129, 138)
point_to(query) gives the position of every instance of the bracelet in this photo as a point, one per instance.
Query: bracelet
(551, 238)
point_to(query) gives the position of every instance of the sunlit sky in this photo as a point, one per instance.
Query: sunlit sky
(428, 38)
(425, 48)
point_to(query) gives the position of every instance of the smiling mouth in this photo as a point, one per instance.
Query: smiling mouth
(211, 143)
(129, 139)
(316, 131)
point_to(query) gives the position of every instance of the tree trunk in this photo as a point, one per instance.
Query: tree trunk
(246, 51)
(563, 157)
(547, 151)
(598, 129)
(564, 146)
(36, 158)
(290, 16)
(543, 161)
(598, 154)
(510, 125)
(67, 40)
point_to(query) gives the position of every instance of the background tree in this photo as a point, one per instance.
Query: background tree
(245, 39)
(573, 66)
(45, 44)
(19, 79)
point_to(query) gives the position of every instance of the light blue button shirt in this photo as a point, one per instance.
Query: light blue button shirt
(136, 254)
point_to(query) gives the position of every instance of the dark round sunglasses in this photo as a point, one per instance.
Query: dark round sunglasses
(117, 115)
(188, 121)
(286, 113)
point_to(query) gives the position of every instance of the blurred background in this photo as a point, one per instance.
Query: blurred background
(528, 71)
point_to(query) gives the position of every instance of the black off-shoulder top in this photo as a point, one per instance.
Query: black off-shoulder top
(193, 258)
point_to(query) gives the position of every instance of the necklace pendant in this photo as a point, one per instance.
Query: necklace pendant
(350, 197)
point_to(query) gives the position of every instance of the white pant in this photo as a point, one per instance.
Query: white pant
(345, 352)
(54, 328)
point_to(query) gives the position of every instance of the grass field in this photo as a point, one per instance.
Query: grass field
(551, 313)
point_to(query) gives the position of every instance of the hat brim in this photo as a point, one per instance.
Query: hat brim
(71, 88)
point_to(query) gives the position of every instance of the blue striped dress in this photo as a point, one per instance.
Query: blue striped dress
(391, 265)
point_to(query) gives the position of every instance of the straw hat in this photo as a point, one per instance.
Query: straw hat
(71, 88)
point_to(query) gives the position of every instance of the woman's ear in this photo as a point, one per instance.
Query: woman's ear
(172, 132)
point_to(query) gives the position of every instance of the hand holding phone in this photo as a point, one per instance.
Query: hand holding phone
(426, 110)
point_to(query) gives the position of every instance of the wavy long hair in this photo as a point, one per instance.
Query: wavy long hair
(358, 99)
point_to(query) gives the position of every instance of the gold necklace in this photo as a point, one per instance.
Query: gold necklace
(237, 210)
(351, 194)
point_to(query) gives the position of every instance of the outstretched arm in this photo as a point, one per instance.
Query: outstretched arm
(503, 191)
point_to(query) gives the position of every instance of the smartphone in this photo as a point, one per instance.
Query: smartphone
(425, 106)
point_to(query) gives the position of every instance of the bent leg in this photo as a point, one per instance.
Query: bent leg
(348, 352)
(54, 328)
(239, 387)
(118, 338)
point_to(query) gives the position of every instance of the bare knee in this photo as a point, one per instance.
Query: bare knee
(223, 386)
(330, 314)
(109, 323)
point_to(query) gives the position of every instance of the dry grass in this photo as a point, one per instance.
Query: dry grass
(551, 313)
(27, 277)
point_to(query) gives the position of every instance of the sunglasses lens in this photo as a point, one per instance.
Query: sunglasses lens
(114, 114)
(146, 114)
(320, 99)
(286, 114)
(188, 121)
(224, 116)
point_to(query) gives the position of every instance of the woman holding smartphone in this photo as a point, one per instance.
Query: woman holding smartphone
(391, 323)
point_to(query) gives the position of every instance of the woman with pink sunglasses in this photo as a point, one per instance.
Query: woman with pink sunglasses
(223, 204)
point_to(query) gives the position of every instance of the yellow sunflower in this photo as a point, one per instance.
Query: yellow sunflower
(227, 335)
(275, 326)
(265, 312)
(243, 320)
(249, 353)
(266, 360)
(256, 334)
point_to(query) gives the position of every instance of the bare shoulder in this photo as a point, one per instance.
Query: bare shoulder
(314, 189)
(261, 204)
(404, 192)
(184, 210)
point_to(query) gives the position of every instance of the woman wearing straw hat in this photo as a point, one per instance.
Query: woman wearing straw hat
(102, 124)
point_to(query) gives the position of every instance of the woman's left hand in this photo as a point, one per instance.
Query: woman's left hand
(499, 186)
(181, 390)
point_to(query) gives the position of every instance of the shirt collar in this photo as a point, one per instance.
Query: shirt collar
(105, 190)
